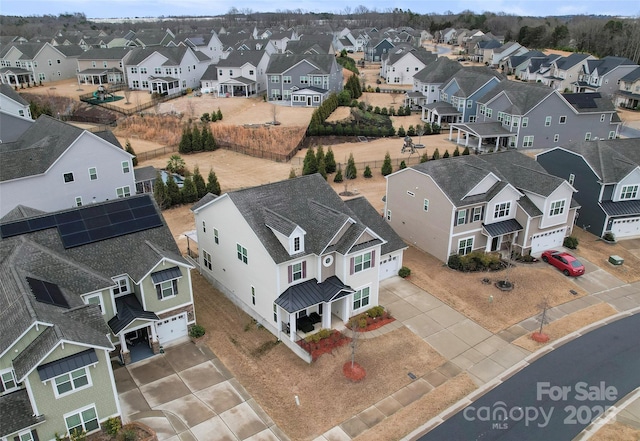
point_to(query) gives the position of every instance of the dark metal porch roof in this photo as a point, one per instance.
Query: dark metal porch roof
(501, 228)
(310, 293)
(67, 364)
(621, 208)
(129, 309)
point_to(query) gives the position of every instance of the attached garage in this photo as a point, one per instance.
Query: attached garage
(171, 328)
(626, 227)
(547, 240)
(389, 267)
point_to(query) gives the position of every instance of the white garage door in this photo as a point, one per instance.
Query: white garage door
(547, 240)
(626, 227)
(389, 267)
(171, 328)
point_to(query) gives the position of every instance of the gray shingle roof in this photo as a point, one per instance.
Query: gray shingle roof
(279, 63)
(374, 220)
(103, 53)
(568, 62)
(471, 78)
(240, 58)
(523, 96)
(607, 64)
(211, 73)
(174, 54)
(612, 159)
(438, 72)
(71, 50)
(589, 102)
(8, 91)
(632, 76)
(16, 413)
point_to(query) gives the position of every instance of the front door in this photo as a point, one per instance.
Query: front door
(495, 243)
(309, 101)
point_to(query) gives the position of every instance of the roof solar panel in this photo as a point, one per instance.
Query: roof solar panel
(119, 205)
(97, 222)
(143, 211)
(75, 239)
(139, 202)
(67, 216)
(148, 222)
(92, 211)
(120, 216)
(46, 292)
(71, 227)
(40, 223)
(14, 228)
(102, 233)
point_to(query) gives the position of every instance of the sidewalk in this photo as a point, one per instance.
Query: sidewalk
(468, 347)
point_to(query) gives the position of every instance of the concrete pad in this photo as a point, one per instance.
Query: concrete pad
(412, 392)
(336, 434)
(463, 362)
(474, 355)
(124, 381)
(470, 332)
(214, 429)
(242, 421)
(240, 389)
(424, 302)
(623, 303)
(402, 310)
(508, 356)
(354, 426)
(388, 406)
(150, 370)
(447, 344)
(186, 436)
(403, 288)
(490, 345)
(164, 390)
(201, 376)
(132, 402)
(597, 281)
(446, 315)
(573, 306)
(220, 397)
(435, 378)
(189, 409)
(449, 369)
(385, 297)
(486, 370)
(530, 324)
(178, 424)
(163, 428)
(265, 435)
(371, 416)
(422, 325)
(184, 356)
(260, 412)
(512, 333)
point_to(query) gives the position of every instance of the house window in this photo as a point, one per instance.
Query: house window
(572, 178)
(167, 289)
(502, 210)
(629, 192)
(204, 227)
(122, 286)
(9, 382)
(557, 208)
(527, 141)
(388, 215)
(83, 419)
(71, 381)
(481, 109)
(251, 72)
(547, 121)
(26, 436)
(104, 64)
(275, 79)
(465, 246)
(316, 99)
(525, 121)
(93, 64)
(296, 271)
(362, 262)
(296, 244)
(135, 84)
(68, 177)
(587, 136)
(477, 214)
(602, 117)
(134, 70)
(317, 81)
(145, 84)
(206, 258)
(472, 118)
(242, 253)
(95, 299)
(143, 70)
(125, 167)
(216, 239)
(425, 206)
(78, 201)
(275, 313)
(304, 79)
(556, 137)
(158, 71)
(461, 218)
(361, 298)
(122, 192)
(469, 104)
(93, 173)
(489, 113)
(253, 295)
(612, 134)
(286, 79)
(562, 120)
(516, 121)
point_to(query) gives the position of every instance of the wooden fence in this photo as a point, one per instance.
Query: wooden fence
(89, 98)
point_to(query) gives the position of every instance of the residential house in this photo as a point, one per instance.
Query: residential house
(603, 75)
(303, 80)
(208, 44)
(606, 175)
(538, 67)
(375, 49)
(499, 56)
(22, 64)
(495, 202)
(482, 51)
(403, 62)
(99, 66)
(281, 39)
(628, 95)
(165, 70)
(564, 71)
(458, 96)
(11, 102)
(515, 64)
(311, 44)
(242, 73)
(76, 167)
(345, 40)
(209, 80)
(531, 115)
(427, 82)
(294, 256)
(446, 36)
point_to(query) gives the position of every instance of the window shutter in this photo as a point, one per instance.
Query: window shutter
(466, 216)
(159, 292)
(482, 215)
(373, 258)
(175, 286)
(1, 387)
(290, 271)
(34, 435)
(16, 438)
(455, 218)
(352, 264)
(304, 269)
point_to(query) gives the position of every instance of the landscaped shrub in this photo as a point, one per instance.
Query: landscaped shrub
(404, 272)
(367, 172)
(196, 331)
(475, 261)
(320, 335)
(376, 311)
(362, 322)
(570, 242)
(112, 426)
(401, 132)
(387, 168)
(609, 236)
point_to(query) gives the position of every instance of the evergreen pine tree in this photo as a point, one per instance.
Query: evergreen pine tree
(322, 168)
(188, 194)
(465, 151)
(319, 155)
(411, 131)
(309, 165)
(173, 191)
(160, 192)
(338, 176)
(402, 165)
(214, 116)
(367, 172)
(436, 154)
(292, 173)
(185, 141)
(424, 157)
(456, 152)
(198, 181)
(351, 172)
(196, 139)
(387, 168)
(219, 115)
(129, 150)
(213, 186)
(329, 161)
(446, 154)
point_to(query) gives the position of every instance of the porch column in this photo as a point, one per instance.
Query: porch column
(155, 344)
(326, 315)
(497, 144)
(479, 142)
(292, 326)
(458, 135)
(124, 351)
(422, 118)
(487, 248)
(466, 142)
(450, 132)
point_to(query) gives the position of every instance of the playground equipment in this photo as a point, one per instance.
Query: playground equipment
(102, 94)
(409, 146)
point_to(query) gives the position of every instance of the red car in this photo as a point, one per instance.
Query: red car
(565, 262)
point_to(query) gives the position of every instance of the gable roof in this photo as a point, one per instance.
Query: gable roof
(472, 78)
(174, 55)
(240, 58)
(438, 72)
(105, 53)
(606, 64)
(523, 96)
(365, 212)
(632, 76)
(589, 102)
(8, 91)
(570, 61)
(279, 63)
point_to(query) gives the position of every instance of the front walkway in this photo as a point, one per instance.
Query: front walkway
(187, 394)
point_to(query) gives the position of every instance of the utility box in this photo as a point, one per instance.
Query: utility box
(616, 260)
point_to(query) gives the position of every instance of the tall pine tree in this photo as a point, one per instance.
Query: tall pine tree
(329, 161)
(129, 150)
(160, 192)
(309, 165)
(198, 180)
(387, 168)
(185, 141)
(196, 139)
(173, 191)
(188, 194)
(351, 172)
(212, 184)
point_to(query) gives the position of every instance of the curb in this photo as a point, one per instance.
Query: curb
(464, 402)
(608, 415)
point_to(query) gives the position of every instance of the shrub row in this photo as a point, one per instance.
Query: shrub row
(475, 261)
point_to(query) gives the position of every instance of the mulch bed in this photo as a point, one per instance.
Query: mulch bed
(324, 346)
(375, 323)
(353, 371)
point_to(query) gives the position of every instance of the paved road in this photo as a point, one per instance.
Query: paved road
(557, 396)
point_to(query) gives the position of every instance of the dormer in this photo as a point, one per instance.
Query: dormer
(289, 234)
(483, 186)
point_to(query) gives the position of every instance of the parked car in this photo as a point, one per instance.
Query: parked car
(565, 262)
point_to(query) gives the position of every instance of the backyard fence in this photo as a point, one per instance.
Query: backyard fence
(144, 156)
(89, 98)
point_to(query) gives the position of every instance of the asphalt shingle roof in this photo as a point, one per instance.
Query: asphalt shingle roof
(438, 72)
(8, 91)
(240, 58)
(523, 96)
(16, 412)
(612, 159)
(279, 63)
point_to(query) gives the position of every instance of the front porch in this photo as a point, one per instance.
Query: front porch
(16, 76)
(135, 329)
(488, 136)
(501, 236)
(440, 112)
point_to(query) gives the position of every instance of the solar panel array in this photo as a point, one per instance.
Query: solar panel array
(583, 100)
(92, 223)
(46, 292)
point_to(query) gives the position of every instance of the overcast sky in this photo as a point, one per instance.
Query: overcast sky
(155, 8)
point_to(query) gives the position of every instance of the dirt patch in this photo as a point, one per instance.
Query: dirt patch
(276, 375)
(616, 431)
(567, 325)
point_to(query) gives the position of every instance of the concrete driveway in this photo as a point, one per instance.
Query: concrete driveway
(186, 394)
